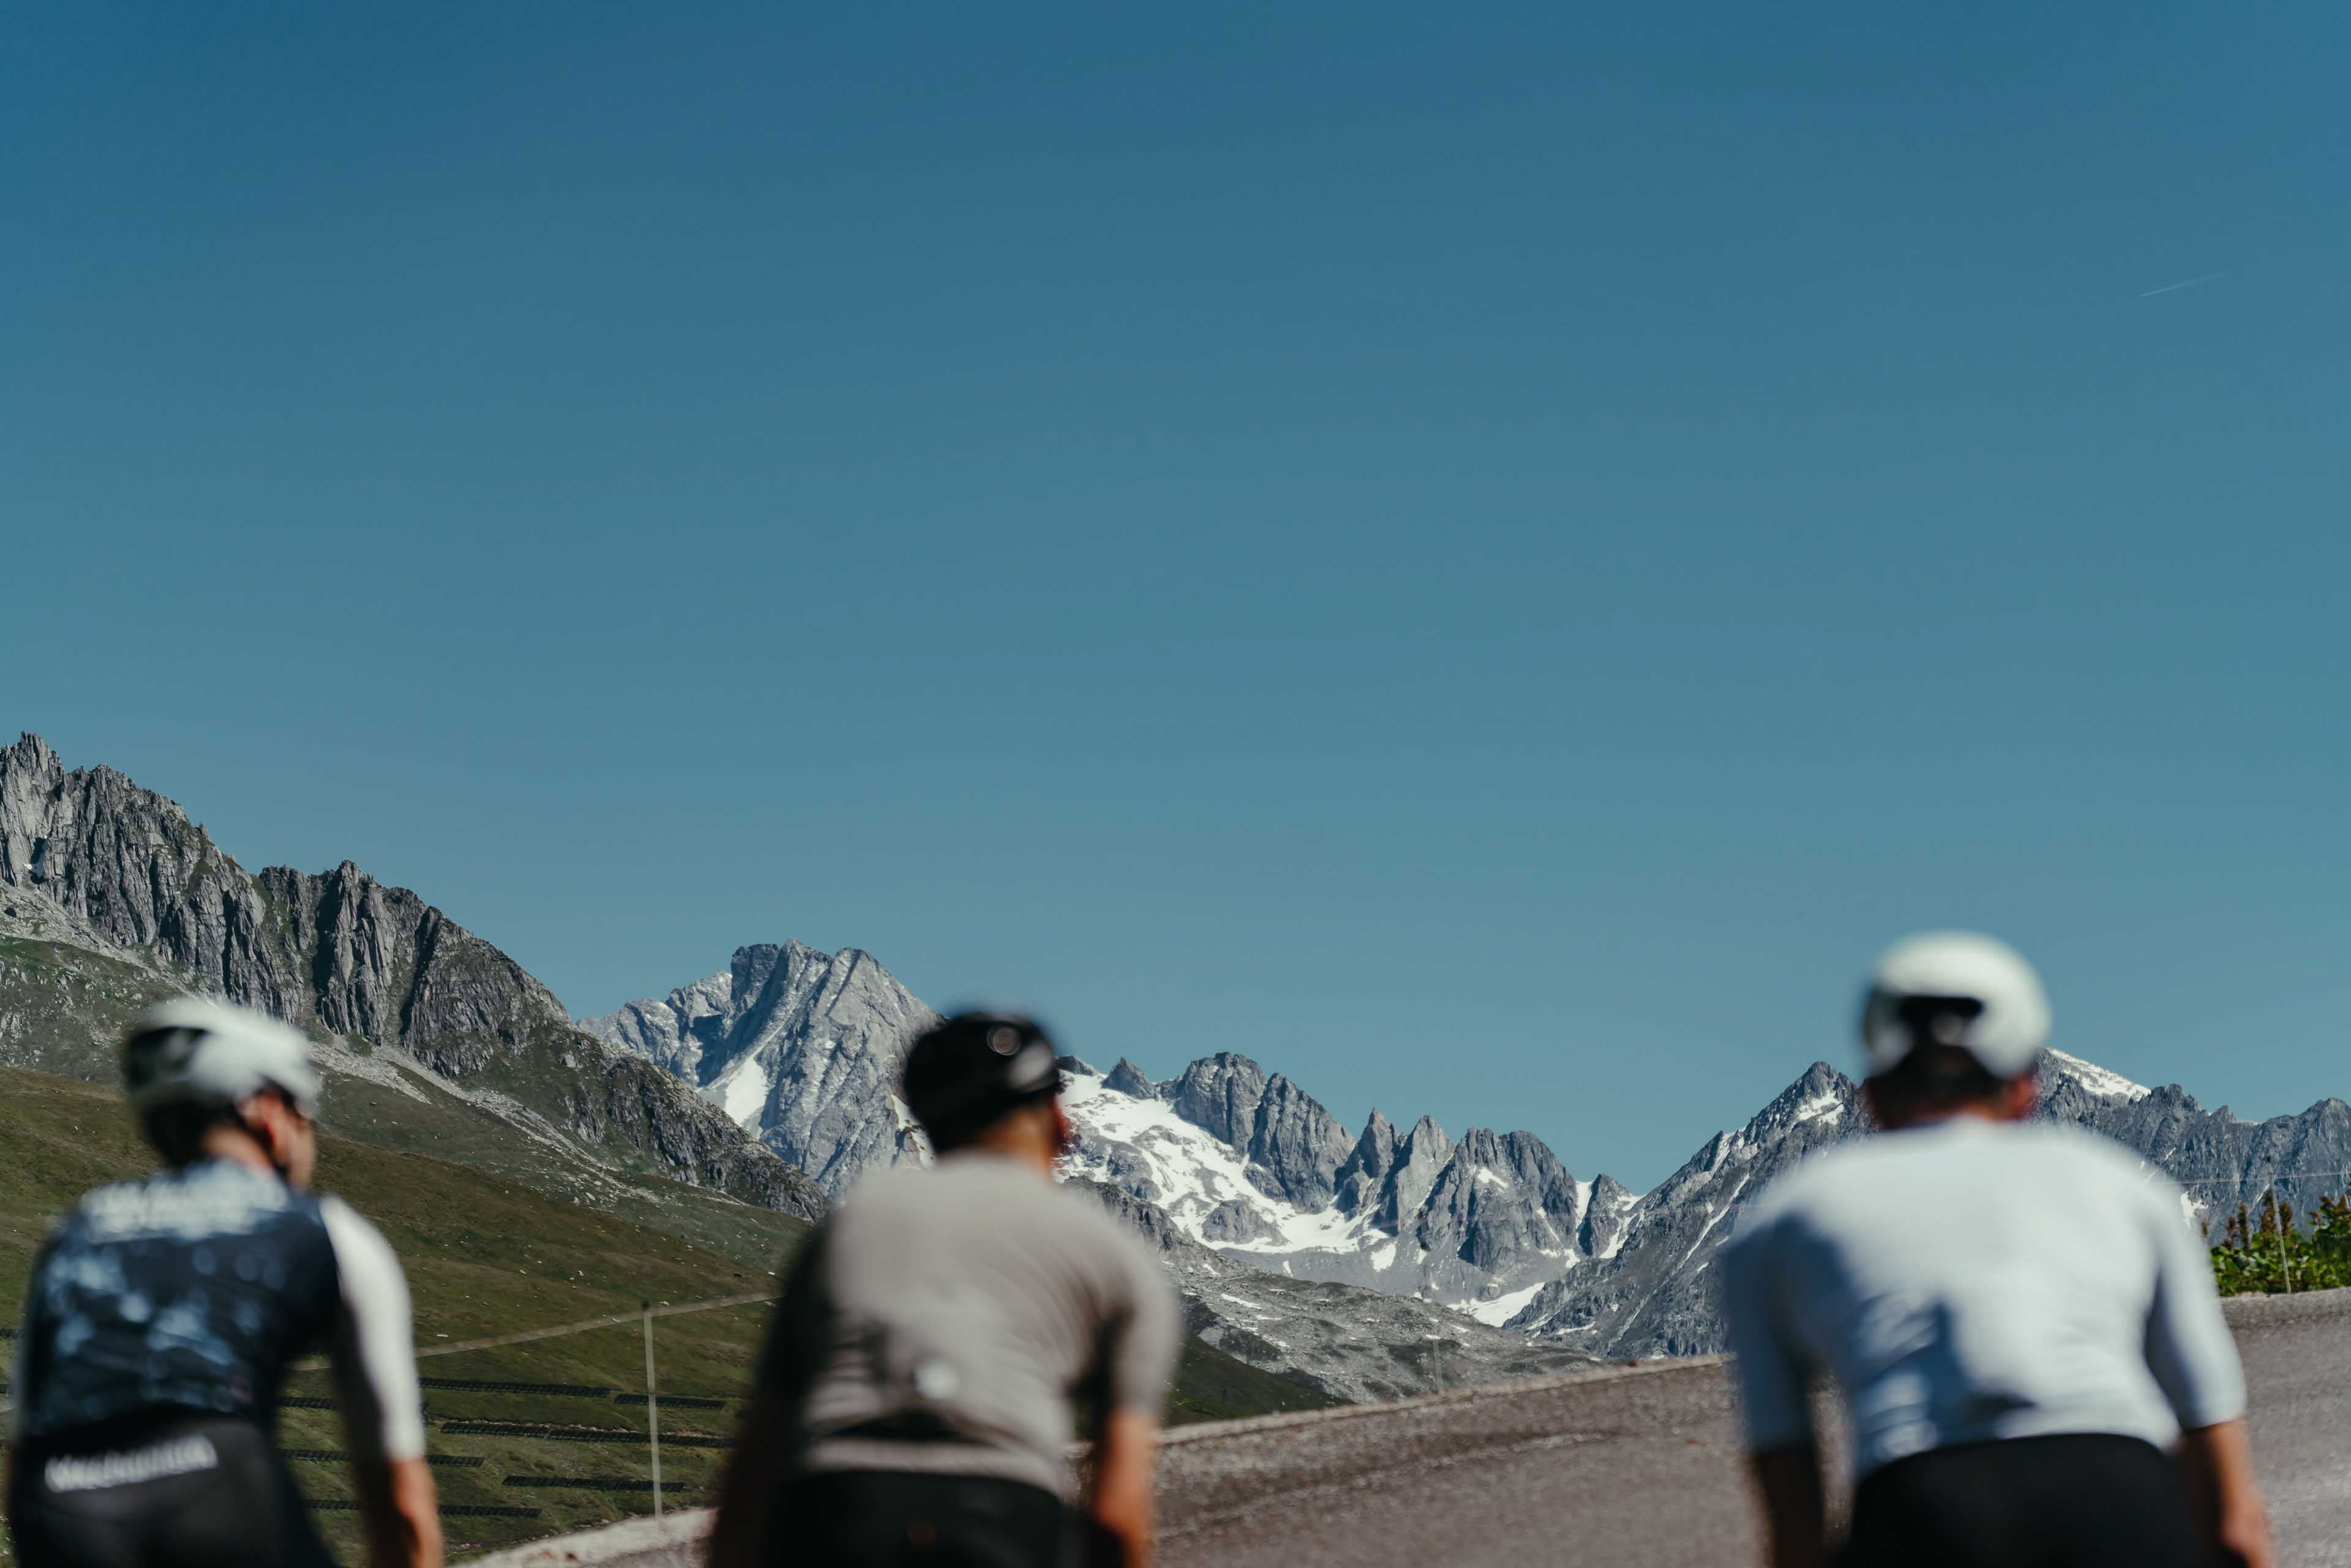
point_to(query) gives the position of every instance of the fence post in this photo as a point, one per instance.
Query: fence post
(653, 1408)
(2277, 1212)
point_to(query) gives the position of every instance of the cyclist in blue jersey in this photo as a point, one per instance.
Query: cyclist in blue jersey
(163, 1313)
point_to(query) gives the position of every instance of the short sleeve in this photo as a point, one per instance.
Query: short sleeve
(372, 1345)
(1145, 1335)
(1774, 1375)
(2188, 1347)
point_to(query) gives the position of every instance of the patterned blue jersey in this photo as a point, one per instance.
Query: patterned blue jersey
(190, 1290)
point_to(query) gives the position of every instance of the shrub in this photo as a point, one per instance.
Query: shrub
(2264, 1251)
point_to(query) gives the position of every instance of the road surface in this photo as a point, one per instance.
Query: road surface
(1626, 1465)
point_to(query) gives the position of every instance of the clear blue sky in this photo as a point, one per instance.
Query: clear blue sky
(1489, 561)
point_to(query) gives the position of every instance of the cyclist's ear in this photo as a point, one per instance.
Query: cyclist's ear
(2020, 1097)
(286, 1135)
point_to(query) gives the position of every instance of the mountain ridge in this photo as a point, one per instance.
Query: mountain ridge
(111, 894)
(1244, 1164)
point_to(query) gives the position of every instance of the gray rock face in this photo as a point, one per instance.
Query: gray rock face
(90, 854)
(1129, 1079)
(2219, 1160)
(1421, 1156)
(1364, 1175)
(1606, 1213)
(1296, 1144)
(800, 1046)
(1239, 1221)
(1243, 1163)
(1500, 1199)
(1219, 1094)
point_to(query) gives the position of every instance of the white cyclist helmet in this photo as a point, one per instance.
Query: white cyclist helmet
(1955, 988)
(190, 1052)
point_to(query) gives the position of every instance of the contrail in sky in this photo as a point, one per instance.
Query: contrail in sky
(2192, 283)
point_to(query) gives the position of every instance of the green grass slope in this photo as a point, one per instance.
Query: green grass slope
(486, 1255)
(63, 1008)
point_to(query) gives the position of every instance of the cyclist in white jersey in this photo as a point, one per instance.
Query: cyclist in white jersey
(162, 1314)
(2019, 1317)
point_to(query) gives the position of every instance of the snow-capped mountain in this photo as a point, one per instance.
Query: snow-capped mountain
(1354, 1344)
(1248, 1168)
(1253, 1167)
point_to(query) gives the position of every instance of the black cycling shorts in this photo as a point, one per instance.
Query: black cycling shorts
(172, 1492)
(900, 1518)
(2087, 1502)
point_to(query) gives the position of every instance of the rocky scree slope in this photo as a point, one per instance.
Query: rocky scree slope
(109, 894)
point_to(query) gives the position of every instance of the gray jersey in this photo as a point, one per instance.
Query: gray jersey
(1966, 1281)
(945, 1320)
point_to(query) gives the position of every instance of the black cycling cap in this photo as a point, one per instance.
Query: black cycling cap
(976, 1067)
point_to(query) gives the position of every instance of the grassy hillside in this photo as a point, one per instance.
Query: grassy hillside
(63, 1008)
(487, 1255)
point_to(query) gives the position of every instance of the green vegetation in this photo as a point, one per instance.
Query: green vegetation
(2264, 1252)
(487, 1253)
(1213, 1386)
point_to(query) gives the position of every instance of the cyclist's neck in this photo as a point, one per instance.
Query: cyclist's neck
(234, 1146)
(1033, 1136)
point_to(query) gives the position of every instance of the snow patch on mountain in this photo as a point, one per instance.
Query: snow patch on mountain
(1247, 1169)
(1477, 1225)
(2095, 1080)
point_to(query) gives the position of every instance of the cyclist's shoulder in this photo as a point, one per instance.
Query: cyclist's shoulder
(191, 1203)
(1117, 1252)
(993, 1203)
(354, 1235)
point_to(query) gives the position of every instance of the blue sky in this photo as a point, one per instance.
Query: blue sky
(1488, 560)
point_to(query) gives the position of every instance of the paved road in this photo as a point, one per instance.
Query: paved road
(1644, 1468)
(1635, 1467)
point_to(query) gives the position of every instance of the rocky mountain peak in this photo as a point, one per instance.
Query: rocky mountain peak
(799, 1046)
(1361, 1177)
(1420, 1156)
(1219, 1094)
(92, 860)
(1129, 1079)
(1295, 1146)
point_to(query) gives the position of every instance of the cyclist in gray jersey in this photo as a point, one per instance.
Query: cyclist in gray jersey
(916, 1400)
(2020, 1321)
(162, 1314)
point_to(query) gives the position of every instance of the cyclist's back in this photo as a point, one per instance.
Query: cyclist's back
(979, 1298)
(916, 1400)
(1967, 1281)
(2017, 1315)
(163, 1314)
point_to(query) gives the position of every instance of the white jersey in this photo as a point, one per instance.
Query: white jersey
(1969, 1280)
